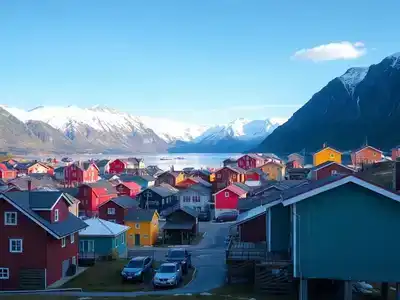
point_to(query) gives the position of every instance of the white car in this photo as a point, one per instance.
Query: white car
(168, 275)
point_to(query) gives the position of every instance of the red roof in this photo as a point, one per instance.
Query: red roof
(234, 189)
(3, 167)
(131, 185)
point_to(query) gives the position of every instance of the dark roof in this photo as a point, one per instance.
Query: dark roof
(190, 211)
(59, 169)
(22, 182)
(147, 177)
(103, 184)
(197, 188)
(23, 201)
(327, 163)
(140, 215)
(298, 170)
(177, 226)
(102, 162)
(243, 186)
(164, 190)
(125, 201)
(71, 191)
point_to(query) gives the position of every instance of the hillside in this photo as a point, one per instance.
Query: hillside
(363, 103)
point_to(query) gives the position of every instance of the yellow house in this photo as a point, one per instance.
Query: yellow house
(274, 170)
(143, 227)
(327, 154)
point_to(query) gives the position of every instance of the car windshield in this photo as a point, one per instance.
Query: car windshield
(135, 264)
(166, 269)
(176, 254)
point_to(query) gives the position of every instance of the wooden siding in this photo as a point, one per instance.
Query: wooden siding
(104, 246)
(280, 228)
(329, 171)
(148, 232)
(327, 154)
(348, 233)
(254, 231)
(119, 212)
(366, 155)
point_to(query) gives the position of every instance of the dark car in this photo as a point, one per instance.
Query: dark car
(227, 217)
(204, 216)
(136, 269)
(180, 255)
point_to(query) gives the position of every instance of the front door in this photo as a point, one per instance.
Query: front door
(65, 266)
(137, 239)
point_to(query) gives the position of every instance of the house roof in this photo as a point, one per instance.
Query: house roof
(125, 201)
(202, 181)
(140, 215)
(177, 226)
(59, 169)
(329, 183)
(228, 160)
(71, 191)
(5, 167)
(233, 168)
(105, 184)
(102, 163)
(201, 189)
(22, 201)
(272, 162)
(99, 227)
(250, 214)
(243, 186)
(130, 185)
(365, 147)
(254, 156)
(329, 163)
(234, 189)
(164, 190)
(147, 178)
(190, 211)
(43, 200)
(328, 148)
(36, 183)
(298, 170)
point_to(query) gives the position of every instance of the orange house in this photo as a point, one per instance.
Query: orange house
(274, 170)
(327, 154)
(366, 155)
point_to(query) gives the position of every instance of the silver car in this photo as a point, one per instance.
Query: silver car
(168, 275)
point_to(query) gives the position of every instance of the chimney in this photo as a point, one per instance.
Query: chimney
(324, 145)
(396, 175)
(29, 185)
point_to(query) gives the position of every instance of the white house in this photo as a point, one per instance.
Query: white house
(197, 197)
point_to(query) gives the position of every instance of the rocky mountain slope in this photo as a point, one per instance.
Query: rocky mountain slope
(363, 103)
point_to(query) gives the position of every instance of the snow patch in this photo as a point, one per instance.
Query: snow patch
(352, 78)
(395, 60)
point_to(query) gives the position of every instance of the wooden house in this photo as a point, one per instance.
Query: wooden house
(297, 173)
(158, 197)
(103, 165)
(250, 161)
(59, 174)
(130, 189)
(117, 166)
(227, 199)
(297, 158)
(255, 174)
(6, 172)
(78, 173)
(196, 196)
(102, 238)
(201, 173)
(226, 176)
(230, 162)
(39, 167)
(170, 177)
(143, 227)
(395, 152)
(327, 154)
(133, 166)
(274, 170)
(92, 195)
(328, 169)
(181, 226)
(39, 238)
(189, 181)
(115, 209)
(366, 155)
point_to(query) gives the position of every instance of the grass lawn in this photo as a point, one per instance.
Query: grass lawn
(106, 276)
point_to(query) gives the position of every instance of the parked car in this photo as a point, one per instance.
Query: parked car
(227, 217)
(136, 269)
(181, 256)
(168, 275)
(204, 216)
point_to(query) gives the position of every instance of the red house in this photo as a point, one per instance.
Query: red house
(92, 195)
(250, 161)
(39, 238)
(226, 176)
(227, 199)
(252, 226)
(366, 155)
(78, 173)
(7, 173)
(328, 169)
(255, 174)
(395, 153)
(117, 166)
(130, 189)
(115, 210)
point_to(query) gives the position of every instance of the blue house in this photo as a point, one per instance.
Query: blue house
(339, 228)
(103, 238)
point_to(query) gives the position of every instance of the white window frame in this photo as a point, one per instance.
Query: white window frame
(11, 241)
(63, 242)
(111, 211)
(56, 215)
(137, 225)
(122, 238)
(4, 273)
(334, 172)
(10, 213)
(226, 194)
(73, 260)
(72, 238)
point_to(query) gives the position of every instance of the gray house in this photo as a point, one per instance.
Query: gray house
(197, 197)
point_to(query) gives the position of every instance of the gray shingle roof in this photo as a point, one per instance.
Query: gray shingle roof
(59, 229)
(164, 191)
(103, 184)
(125, 202)
(102, 163)
(147, 177)
(71, 191)
(140, 215)
(190, 211)
(42, 200)
(201, 189)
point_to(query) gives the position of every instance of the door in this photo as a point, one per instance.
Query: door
(86, 246)
(65, 266)
(137, 239)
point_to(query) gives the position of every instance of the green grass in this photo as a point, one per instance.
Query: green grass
(106, 276)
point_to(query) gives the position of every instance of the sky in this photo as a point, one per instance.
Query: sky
(197, 61)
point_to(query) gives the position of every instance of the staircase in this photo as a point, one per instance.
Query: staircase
(274, 278)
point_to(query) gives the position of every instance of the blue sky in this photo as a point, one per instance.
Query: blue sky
(206, 62)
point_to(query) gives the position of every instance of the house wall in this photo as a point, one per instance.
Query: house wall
(119, 212)
(200, 206)
(348, 233)
(105, 245)
(395, 153)
(148, 232)
(254, 231)
(9, 174)
(325, 155)
(280, 228)
(74, 208)
(117, 167)
(366, 156)
(274, 171)
(246, 162)
(37, 168)
(297, 158)
(329, 170)
(252, 176)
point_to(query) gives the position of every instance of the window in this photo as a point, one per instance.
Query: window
(196, 198)
(145, 236)
(4, 273)
(72, 238)
(16, 245)
(334, 172)
(74, 260)
(111, 211)
(86, 246)
(374, 154)
(332, 155)
(10, 218)
(63, 242)
(234, 176)
(226, 194)
(218, 175)
(56, 215)
(137, 226)
(186, 198)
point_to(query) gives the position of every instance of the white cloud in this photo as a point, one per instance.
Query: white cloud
(258, 107)
(332, 51)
